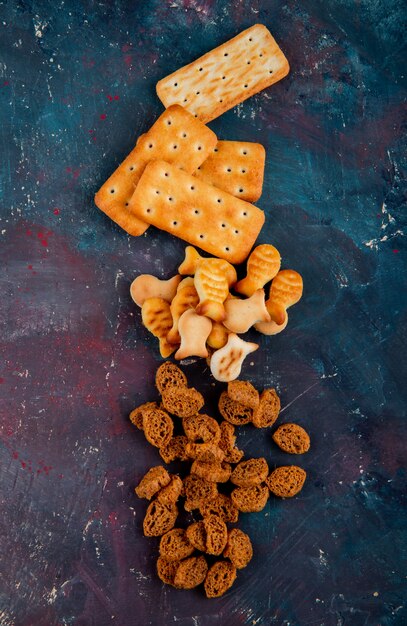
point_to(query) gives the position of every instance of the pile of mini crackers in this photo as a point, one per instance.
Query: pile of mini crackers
(208, 551)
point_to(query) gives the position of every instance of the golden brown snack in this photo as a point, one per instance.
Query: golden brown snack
(250, 473)
(198, 490)
(236, 167)
(190, 262)
(219, 579)
(226, 75)
(185, 298)
(218, 337)
(136, 416)
(175, 449)
(267, 412)
(206, 452)
(194, 330)
(156, 316)
(212, 286)
(169, 375)
(238, 548)
(220, 505)
(201, 427)
(243, 392)
(234, 412)
(202, 215)
(174, 545)
(151, 483)
(196, 534)
(213, 472)
(166, 570)
(250, 499)
(226, 363)
(286, 481)
(171, 492)
(146, 286)
(242, 314)
(227, 443)
(263, 265)
(191, 572)
(158, 427)
(271, 328)
(159, 518)
(286, 290)
(176, 137)
(182, 401)
(292, 439)
(216, 534)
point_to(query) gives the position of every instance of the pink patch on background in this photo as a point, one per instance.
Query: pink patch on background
(396, 251)
(56, 211)
(103, 116)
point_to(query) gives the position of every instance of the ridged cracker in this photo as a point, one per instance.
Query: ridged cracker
(201, 214)
(226, 75)
(178, 138)
(236, 167)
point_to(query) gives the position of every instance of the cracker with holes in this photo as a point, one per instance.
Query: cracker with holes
(202, 215)
(226, 75)
(236, 167)
(178, 138)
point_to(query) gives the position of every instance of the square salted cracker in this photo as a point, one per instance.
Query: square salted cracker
(201, 214)
(226, 75)
(176, 137)
(236, 167)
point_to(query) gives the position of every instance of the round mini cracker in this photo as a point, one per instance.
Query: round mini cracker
(250, 499)
(159, 518)
(250, 472)
(166, 570)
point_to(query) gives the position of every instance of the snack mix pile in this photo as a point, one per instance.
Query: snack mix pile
(219, 484)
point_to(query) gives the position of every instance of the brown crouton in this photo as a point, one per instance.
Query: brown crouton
(136, 416)
(249, 473)
(250, 499)
(233, 411)
(191, 572)
(243, 392)
(166, 570)
(158, 427)
(201, 427)
(206, 452)
(169, 375)
(175, 545)
(292, 439)
(152, 482)
(286, 481)
(219, 579)
(238, 548)
(213, 472)
(220, 505)
(172, 491)
(269, 407)
(196, 534)
(182, 401)
(227, 443)
(174, 449)
(216, 534)
(159, 518)
(198, 490)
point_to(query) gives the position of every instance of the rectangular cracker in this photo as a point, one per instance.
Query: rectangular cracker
(236, 167)
(176, 137)
(199, 213)
(226, 75)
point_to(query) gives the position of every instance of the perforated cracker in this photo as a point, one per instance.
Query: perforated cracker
(203, 215)
(226, 75)
(178, 138)
(236, 167)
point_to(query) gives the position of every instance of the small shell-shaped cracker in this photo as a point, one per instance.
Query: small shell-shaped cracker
(156, 316)
(194, 330)
(186, 298)
(212, 285)
(242, 314)
(262, 265)
(285, 290)
(271, 328)
(218, 336)
(190, 263)
(146, 286)
(226, 363)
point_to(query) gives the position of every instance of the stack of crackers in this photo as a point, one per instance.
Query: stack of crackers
(179, 177)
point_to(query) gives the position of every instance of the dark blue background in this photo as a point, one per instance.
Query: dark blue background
(77, 86)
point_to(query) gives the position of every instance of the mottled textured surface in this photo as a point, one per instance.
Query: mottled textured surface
(76, 89)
